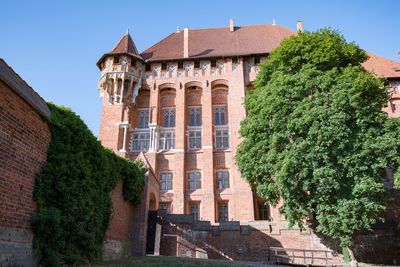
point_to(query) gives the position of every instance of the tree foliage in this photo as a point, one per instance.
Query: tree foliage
(316, 137)
(73, 192)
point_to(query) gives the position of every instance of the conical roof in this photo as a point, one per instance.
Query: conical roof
(125, 46)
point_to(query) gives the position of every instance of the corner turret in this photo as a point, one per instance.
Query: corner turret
(121, 72)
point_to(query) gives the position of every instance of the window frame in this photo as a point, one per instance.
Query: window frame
(169, 109)
(222, 129)
(223, 179)
(147, 110)
(198, 138)
(166, 204)
(194, 204)
(163, 139)
(195, 180)
(166, 181)
(196, 123)
(139, 131)
(219, 204)
(215, 107)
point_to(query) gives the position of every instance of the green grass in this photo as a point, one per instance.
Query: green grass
(167, 262)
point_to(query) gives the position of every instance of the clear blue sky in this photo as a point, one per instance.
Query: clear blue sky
(54, 45)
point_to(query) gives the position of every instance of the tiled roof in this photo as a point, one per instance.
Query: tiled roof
(124, 46)
(220, 42)
(382, 66)
(216, 42)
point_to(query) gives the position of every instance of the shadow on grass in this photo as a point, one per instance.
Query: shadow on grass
(167, 262)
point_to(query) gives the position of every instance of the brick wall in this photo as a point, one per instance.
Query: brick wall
(183, 237)
(24, 138)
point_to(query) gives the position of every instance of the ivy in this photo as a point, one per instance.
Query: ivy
(73, 192)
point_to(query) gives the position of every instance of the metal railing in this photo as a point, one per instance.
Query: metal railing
(300, 256)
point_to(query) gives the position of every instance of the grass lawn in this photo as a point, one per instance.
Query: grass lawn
(168, 262)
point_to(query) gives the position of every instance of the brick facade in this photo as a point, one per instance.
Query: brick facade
(178, 74)
(24, 138)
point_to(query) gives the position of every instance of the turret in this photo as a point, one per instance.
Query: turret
(121, 78)
(121, 72)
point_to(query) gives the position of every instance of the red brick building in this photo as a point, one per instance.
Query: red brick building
(180, 103)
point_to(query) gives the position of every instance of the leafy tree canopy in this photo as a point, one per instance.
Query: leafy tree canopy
(73, 192)
(316, 137)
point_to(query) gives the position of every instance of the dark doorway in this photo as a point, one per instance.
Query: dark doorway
(151, 231)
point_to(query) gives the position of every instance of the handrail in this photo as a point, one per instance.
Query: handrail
(275, 254)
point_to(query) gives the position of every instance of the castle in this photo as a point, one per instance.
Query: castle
(178, 106)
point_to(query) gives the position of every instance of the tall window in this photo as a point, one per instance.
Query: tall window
(223, 179)
(140, 141)
(166, 206)
(223, 212)
(263, 211)
(194, 180)
(222, 138)
(169, 117)
(166, 181)
(194, 139)
(166, 140)
(195, 116)
(219, 116)
(144, 119)
(195, 210)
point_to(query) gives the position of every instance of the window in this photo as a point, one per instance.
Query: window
(219, 116)
(223, 212)
(213, 62)
(393, 106)
(166, 206)
(194, 210)
(133, 62)
(166, 140)
(195, 116)
(143, 119)
(263, 211)
(147, 67)
(140, 141)
(194, 139)
(166, 181)
(194, 180)
(257, 60)
(116, 60)
(196, 64)
(222, 138)
(180, 65)
(223, 179)
(235, 60)
(163, 66)
(169, 117)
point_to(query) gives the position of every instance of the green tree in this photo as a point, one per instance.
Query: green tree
(316, 137)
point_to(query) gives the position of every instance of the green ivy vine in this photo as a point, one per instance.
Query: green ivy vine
(73, 192)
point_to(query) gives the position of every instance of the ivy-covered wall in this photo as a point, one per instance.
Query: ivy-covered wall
(73, 192)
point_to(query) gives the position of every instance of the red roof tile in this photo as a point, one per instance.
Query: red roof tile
(216, 42)
(124, 46)
(382, 66)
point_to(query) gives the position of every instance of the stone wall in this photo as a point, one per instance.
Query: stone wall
(24, 138)
(183, 237)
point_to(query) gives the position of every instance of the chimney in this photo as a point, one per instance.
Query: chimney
(231, 27)
(186, 42)
(299, 26)
(398, 54)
